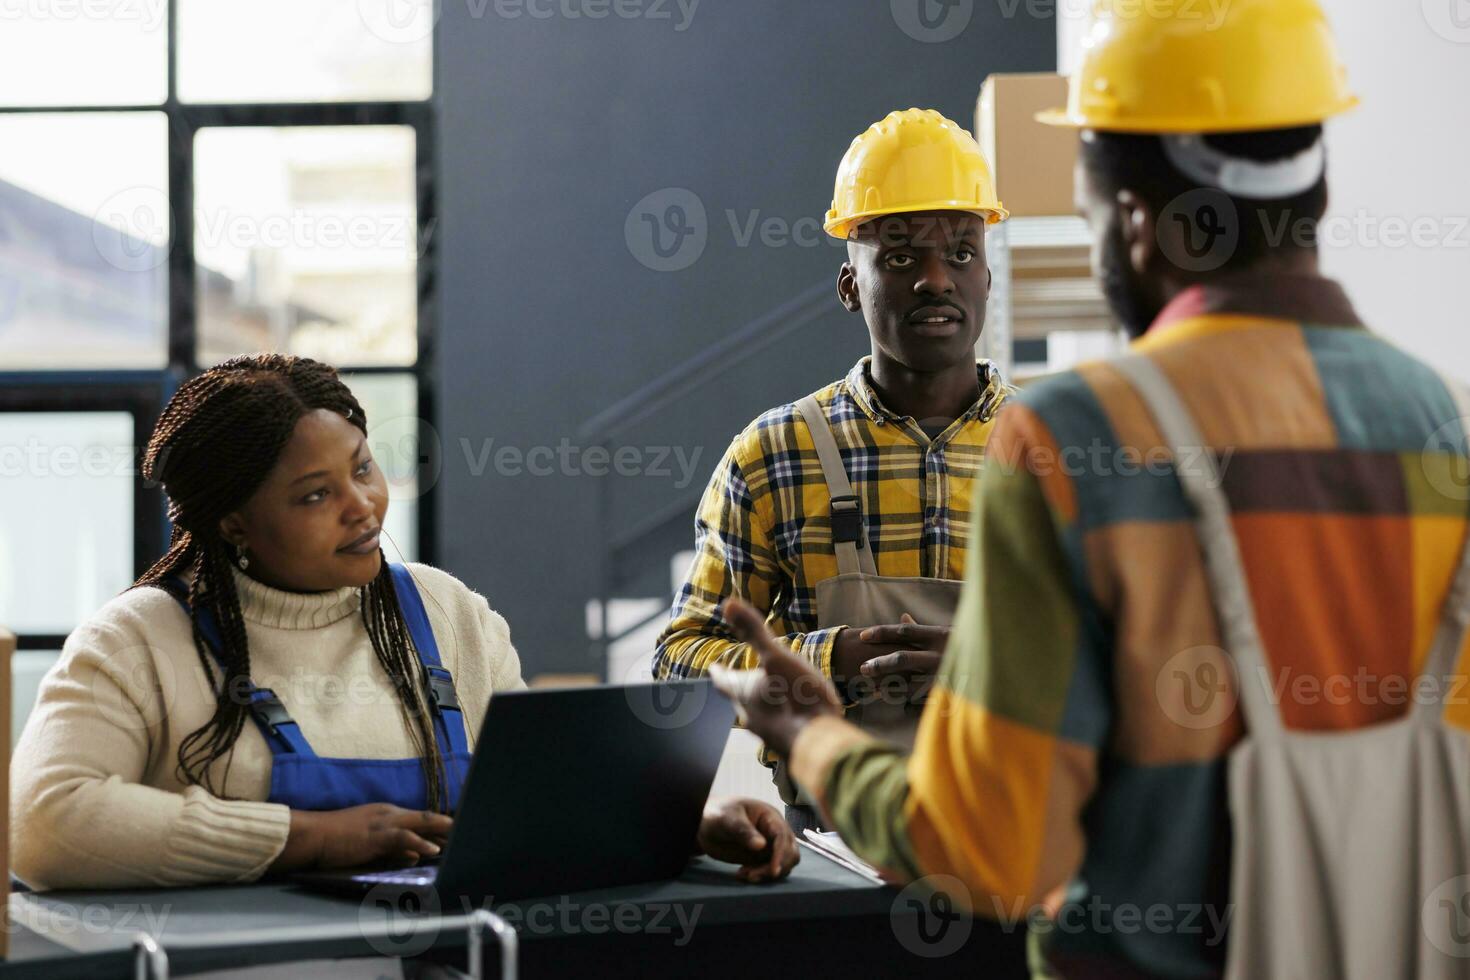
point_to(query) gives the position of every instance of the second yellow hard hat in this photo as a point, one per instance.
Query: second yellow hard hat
(915, 160)
(1186, 68)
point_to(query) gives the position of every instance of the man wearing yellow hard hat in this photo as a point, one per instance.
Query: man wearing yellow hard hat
(1204, 712)
(844, 516)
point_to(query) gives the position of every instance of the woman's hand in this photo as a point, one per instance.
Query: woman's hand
(374, 834)
(751, 834)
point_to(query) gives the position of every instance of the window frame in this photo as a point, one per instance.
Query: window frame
(144, 393)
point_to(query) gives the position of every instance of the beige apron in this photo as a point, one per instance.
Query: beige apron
(860, 597)
(1352, 849)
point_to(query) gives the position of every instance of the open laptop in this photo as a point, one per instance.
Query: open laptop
(572, 789)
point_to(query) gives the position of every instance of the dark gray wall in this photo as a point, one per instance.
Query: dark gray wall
(551, 131)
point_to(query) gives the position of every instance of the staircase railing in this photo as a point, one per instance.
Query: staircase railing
(656, 396)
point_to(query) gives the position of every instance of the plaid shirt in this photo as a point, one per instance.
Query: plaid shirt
(764, 530)
(1072, 753)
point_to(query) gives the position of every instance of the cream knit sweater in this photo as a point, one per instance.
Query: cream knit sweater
(95, 801)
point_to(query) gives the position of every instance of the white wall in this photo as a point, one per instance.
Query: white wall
(1401, 159)
(1403, 156)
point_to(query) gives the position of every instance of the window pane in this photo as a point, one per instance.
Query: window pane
(391, 403)
(306, 243)
(304, 50)
(97, 52)
(66, 516)
(84, 239)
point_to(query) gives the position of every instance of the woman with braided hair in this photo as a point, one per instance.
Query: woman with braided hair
(272, 695)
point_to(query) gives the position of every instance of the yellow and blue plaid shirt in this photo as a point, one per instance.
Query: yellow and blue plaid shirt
(764, 528)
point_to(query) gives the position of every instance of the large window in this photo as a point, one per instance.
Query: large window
(182, 181)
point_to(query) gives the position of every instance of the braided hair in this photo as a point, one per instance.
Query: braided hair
(216, 441)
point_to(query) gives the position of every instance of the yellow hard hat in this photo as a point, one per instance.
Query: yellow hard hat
(915, 160)
(1257, 64)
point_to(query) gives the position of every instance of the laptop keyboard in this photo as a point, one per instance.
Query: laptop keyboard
(399, 876)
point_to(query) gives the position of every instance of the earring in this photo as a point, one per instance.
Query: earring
(240, 557)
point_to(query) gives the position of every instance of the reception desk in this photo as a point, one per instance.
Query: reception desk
(821, 920)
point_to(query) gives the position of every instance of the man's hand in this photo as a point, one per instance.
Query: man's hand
(751, 834)
(778, 698)
(920, 649)
(904, 650)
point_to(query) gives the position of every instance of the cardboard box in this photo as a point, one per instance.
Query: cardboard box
(7, 648)
(1033, 163)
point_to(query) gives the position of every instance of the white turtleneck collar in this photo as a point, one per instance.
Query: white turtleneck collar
(265, 606)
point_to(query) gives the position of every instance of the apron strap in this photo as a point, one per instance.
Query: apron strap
(854, 555)
(1228, 586)
(1449, 636)
(438, 682)
(281, 732)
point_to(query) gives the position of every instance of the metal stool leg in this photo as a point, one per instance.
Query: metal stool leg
(481, 920)
(150, 962)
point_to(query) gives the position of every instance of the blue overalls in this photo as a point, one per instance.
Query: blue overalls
(303, 780)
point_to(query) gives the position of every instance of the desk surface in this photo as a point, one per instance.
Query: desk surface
(61, 934)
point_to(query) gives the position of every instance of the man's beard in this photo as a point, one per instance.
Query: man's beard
(1133, 308)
